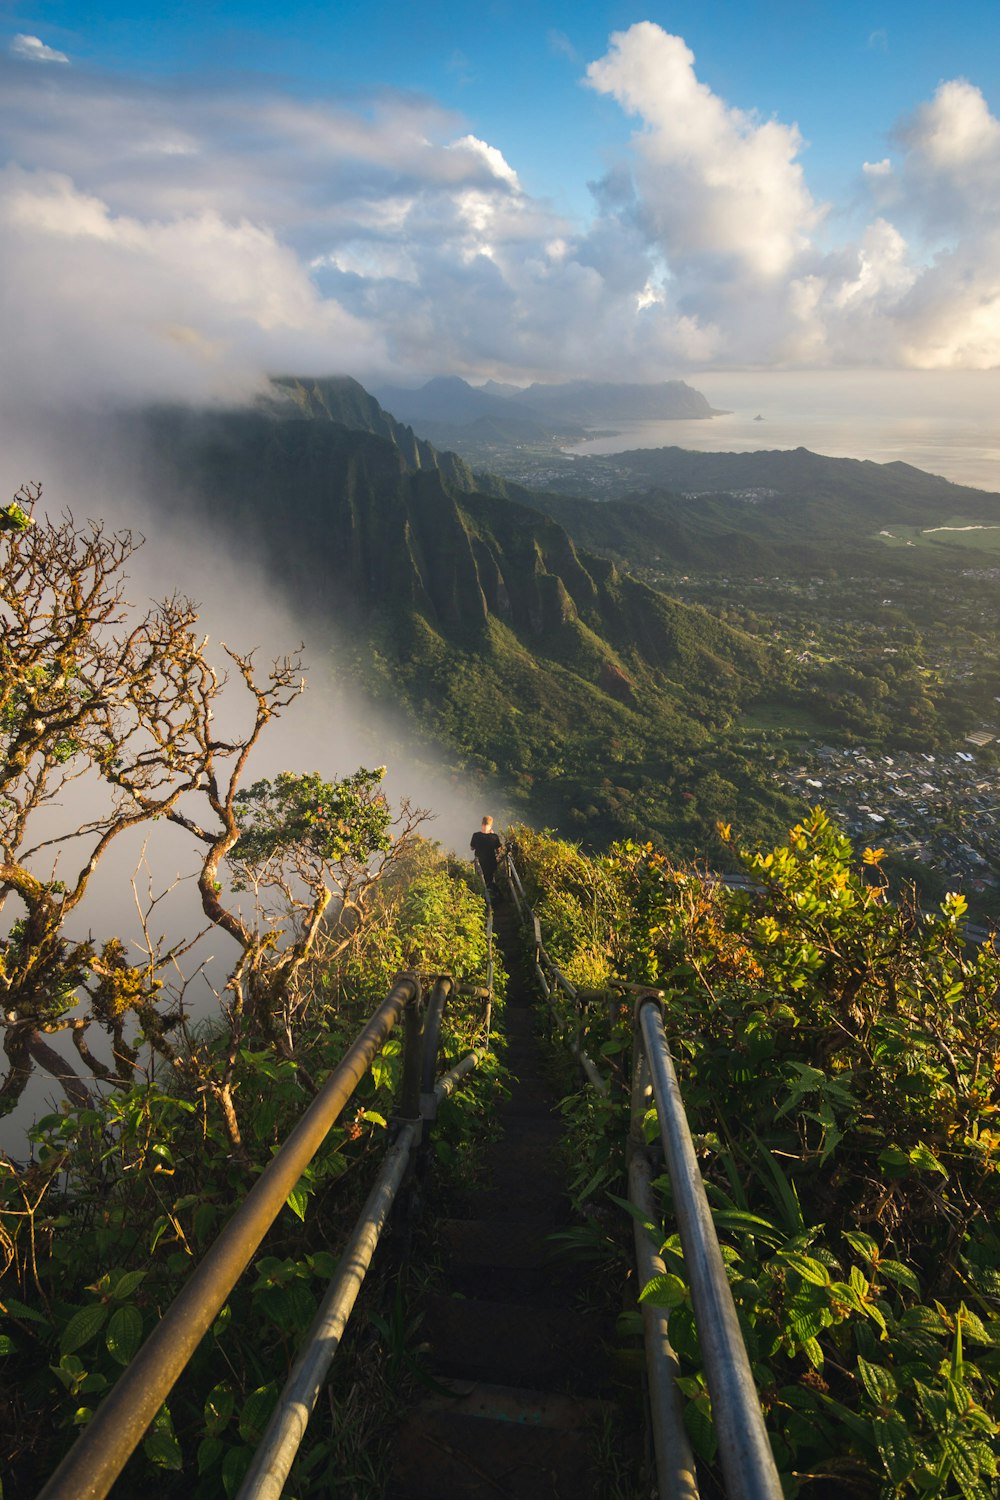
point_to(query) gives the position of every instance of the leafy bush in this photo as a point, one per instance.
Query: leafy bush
(118, 1202)
(838, 1056)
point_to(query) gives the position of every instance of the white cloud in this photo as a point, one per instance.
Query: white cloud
(33, 49)
(101, 304)
(490, 155)
(722, 198)
(173, 239)
(950, 172)
(719, 182)
(955, 129)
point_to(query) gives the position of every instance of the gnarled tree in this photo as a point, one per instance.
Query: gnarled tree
(124, 704)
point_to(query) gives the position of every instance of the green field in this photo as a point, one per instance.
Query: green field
(971, 536)
(797, 723)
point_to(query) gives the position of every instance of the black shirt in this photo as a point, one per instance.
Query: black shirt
(486, 848)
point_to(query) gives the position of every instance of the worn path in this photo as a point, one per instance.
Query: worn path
(525, 1370)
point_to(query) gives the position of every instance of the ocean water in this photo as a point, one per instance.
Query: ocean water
(947, 424)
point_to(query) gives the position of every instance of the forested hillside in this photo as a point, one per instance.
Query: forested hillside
(527, 656)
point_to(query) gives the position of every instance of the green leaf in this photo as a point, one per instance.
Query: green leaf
(813, 1352)
(896, 1447)
(894, 1161)
(807, 1267)
(82, 1327)
(895, 1271)
(163, 1450)
(637, 1214)
(16, 1309)
(974, 1329)
(210, 1450)
(806, 1326)
(124, 1333)
(701, 1428)
(925, 1320)
(219, 1407)
(843, 1292)
(374, 1118)
(923, 1158)
(859, 1427)
(862, 1243)
(934, 1404)
(738, 1219)
(879, 1383)
(7, 1346)
(126, 1284)
(257, 1409)
(297, 1200)
(664, 1291)
(234, 1468)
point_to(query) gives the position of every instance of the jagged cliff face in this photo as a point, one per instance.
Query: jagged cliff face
(591, 695)
(343, 401)
(351, 523)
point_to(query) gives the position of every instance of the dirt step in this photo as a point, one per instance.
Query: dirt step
(491, 1442)
(512, 1343)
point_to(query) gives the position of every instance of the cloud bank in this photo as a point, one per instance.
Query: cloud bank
(179, 240)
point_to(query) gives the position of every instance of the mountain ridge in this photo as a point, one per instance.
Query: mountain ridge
(536, 659)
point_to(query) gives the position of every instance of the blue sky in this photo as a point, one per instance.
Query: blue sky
(393, 188)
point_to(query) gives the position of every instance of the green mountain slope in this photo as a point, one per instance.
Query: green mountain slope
(591, 695)
(750, 512)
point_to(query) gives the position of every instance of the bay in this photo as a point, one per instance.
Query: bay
(945, 423)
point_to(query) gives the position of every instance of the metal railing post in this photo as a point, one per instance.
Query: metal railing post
(413, 1045)
(443, 988)
(744, 1450)
(675, 1468)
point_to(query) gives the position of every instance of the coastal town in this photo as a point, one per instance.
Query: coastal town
(938, 813)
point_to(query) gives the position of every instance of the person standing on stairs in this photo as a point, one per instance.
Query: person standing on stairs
(485, 846)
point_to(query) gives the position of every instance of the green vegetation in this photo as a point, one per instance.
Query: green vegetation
(593, 697)
(119, 1201)
(532, 654)
(839, 1052)
(955, 531)
(321, 895)
(838, 1056)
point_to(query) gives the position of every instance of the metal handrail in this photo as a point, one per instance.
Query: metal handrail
(283, 1436)
(744, 1450)
(100, 1453)
(275, 1453)
(675, 1470)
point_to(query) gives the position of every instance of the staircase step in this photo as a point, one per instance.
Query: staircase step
(497, 1443)
(516, 1403)
(509, 1343)
(498, 1244)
